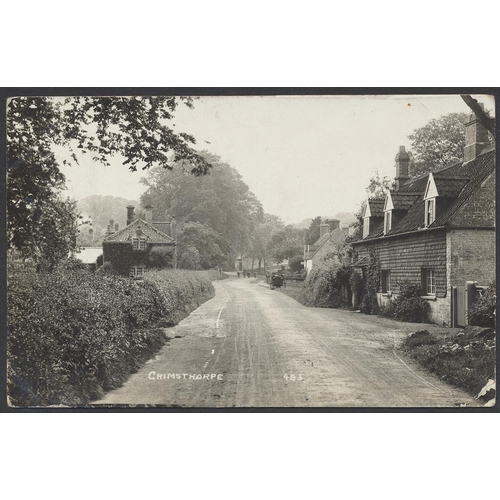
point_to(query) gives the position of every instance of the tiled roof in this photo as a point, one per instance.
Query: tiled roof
(377, 207)
(403, 201)
(152, 234)
(321, 241)
(164, 227)
(449, 188)
(455, 183)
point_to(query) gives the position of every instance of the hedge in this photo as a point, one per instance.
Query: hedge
(74, 334)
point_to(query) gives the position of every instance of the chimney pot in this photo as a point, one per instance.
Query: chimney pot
(148, 210)
(476, 137)
(402, 167)
(323, 229)
(130, 214)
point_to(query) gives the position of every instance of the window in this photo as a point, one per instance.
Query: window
(386, 281)
(429, 281)
(137, 271)
(387, 221)
(430, 211)
(366, 227)
(139, 243)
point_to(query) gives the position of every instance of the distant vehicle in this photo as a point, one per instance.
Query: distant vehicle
(277, 281)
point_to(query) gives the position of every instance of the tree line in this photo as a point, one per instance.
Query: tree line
(218, 217)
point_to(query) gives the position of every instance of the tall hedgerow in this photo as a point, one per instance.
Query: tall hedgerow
(74, 334)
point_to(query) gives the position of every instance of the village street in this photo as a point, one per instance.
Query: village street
(253, 347)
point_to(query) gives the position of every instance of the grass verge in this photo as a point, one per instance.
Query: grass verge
(464, 359)
(75, 334)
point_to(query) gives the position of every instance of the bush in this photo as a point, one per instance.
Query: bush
(407, 306)
(74, 334)
(482, 312)
(323, 286)
(295, 263)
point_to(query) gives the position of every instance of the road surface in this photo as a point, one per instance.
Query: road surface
(253, 347)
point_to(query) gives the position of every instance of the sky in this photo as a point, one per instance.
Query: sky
(302, 156)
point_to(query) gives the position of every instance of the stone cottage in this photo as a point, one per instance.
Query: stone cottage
(331, 237)
(141, 245)
(437, 231)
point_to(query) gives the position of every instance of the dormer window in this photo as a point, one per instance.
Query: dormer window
(388, 208)
(366, 227)
(430, 211)
(387, 221)
(139, 242)
(366, 219)
(430, 196)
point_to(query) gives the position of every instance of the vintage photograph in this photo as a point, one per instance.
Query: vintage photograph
(251, 251)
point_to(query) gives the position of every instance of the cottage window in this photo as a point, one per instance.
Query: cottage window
(386, 281)
(387, 221)
(137, 271)
(139, 243)
(430, 211)
(366, 227)
(429, 281)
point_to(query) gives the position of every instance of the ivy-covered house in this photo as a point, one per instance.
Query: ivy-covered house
(141, 245)
(331, 237)
(436, 231)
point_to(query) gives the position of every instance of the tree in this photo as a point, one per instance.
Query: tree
(437, 144)
(262, 236)
(198, 247)
(313, 231)
(286, 243)
(133, 127)
(220, 201)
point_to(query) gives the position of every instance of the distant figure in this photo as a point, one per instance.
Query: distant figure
(238, 274)
(248, 275)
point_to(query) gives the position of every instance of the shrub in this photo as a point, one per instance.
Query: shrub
(295, 263)
(407, 306)
(74, 334)
(482, 312)
(323, 287)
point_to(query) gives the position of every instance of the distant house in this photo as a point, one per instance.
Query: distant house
(436, 231)
(141, 245)
(331, 237)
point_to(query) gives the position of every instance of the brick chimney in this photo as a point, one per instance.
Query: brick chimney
(117, 227)
(333, 224)
(476, 137)
(402, 167)
(324, 228)
(130, 214)
(148, 210)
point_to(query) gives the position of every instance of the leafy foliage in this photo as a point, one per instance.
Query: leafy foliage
(459, 360)
(408, 305)
(221, 202)
(313, 232)
(99, 126)
(74, 334)
(262, 237)
(324, 283)
(482, 312)
(198, 247)
(286, 243)
(371, 282)
(437, 144)
(295, 263)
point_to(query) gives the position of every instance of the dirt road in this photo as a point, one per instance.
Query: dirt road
(253, 347)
